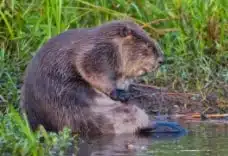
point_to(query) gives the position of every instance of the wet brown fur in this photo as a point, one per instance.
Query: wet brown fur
(69, 80)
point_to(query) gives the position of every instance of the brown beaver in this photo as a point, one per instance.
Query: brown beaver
(69, 82)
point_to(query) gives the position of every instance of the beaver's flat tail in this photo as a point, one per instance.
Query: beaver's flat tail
(163, 127)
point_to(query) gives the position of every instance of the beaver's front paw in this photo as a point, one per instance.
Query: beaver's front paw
(120, 95)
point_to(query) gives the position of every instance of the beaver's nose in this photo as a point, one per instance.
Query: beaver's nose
(161, 60)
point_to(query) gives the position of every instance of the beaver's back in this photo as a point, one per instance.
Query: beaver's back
(53, 64)
(52, 80)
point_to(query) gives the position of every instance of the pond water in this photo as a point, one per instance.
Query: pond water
(202, 139)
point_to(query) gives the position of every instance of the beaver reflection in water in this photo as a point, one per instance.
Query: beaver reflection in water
(73, 78)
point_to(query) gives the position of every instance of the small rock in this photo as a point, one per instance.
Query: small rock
(130, 146)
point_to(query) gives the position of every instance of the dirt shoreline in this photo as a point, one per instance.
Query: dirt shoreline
(159, 100)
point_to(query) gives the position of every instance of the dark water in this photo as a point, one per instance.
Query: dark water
(202, 139)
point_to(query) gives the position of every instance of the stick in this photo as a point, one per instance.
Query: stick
(210, 115)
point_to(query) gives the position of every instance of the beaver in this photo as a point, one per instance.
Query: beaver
(74, 78)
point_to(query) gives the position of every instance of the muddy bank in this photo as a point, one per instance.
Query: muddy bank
(155, 100)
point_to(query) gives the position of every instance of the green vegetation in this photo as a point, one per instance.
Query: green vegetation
(16, 138)
(192, 33)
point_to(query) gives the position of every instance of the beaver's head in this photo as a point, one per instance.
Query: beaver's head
(139, 53)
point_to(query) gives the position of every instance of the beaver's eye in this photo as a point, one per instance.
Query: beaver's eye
(150, 46)
(154, 49)
(145, 52)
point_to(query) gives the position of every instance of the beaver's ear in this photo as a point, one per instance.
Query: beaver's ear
(125, 32)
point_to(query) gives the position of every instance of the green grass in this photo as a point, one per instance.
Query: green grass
(16, 138)
(193, 35)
